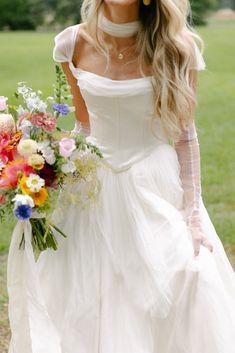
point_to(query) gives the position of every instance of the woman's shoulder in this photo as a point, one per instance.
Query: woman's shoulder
(66, 40)
(64, 43)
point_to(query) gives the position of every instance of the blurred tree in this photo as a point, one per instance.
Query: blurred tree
(64, 11)
(21, 14)
(226, 4)
(200, 9)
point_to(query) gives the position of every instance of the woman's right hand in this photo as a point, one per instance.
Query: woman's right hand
(199, 238)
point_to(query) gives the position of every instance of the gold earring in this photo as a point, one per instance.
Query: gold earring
(146, 2)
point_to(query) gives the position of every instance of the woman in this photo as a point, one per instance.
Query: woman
(143, 269)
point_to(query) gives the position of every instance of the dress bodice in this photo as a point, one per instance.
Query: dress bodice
(120, 111)
(121, 117)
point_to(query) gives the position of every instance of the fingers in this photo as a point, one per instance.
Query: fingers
(196, 243)
(198, 240)
(207, 244)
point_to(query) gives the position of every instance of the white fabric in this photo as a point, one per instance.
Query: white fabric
(120, 30)
(125, 280)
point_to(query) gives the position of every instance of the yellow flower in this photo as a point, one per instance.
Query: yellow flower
(24, 188)
(39, 197)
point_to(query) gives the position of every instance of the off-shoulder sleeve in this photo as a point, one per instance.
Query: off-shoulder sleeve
(64, 44)
(197, 61)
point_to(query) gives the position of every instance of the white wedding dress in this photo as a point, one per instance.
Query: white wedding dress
(125, 280)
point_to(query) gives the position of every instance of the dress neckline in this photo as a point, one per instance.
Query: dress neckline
(105, 78)
(78, 69)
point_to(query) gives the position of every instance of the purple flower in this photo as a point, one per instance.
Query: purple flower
(23, 212)
(61, 108)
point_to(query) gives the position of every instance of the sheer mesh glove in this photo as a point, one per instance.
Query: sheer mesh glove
(188, 152)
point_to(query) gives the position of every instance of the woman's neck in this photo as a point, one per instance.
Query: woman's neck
(121, 13)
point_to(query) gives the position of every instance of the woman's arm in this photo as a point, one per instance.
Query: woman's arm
(81, 112)
(188, 151)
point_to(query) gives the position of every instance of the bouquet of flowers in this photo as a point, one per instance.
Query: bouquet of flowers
(38, 159)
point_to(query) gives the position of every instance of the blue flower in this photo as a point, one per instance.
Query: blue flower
(61, 108)
(23, 212)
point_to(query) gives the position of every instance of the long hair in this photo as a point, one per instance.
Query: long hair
(165, 42)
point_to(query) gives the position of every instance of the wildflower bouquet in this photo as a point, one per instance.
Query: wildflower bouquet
(38, 159)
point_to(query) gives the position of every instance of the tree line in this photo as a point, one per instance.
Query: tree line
(30, 14)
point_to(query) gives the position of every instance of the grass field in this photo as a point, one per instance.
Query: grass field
(28, 57)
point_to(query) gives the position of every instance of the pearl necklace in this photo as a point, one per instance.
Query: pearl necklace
(121, 30)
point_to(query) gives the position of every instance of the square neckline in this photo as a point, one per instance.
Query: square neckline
(80, 70)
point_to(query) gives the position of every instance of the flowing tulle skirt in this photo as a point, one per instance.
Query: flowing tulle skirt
(126, 280)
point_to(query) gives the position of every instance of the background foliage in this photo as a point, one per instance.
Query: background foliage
(29, 14)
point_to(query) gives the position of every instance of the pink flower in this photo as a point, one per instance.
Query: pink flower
(13, 172)
(45, 121)
(3, 103)
(67, 146)
(4, 138)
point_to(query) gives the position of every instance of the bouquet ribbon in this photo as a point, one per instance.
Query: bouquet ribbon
(32, 328)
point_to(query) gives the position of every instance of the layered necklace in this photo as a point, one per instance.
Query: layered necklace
(120, 30)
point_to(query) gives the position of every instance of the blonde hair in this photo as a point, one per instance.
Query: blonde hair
(166, 42)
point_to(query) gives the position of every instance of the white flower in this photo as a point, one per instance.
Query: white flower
(47, 151)
(26, 127)
(69, 167)
(27, 147)
(23, 200)
(22, 89)
(35, 159)
(32, 99)
(51, 100)
(20, 110)
(34, 182)
(35, 104)
(7, 123)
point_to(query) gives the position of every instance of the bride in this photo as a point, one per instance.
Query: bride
(143, 269)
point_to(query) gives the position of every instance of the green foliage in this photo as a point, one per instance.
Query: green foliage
(65, 11)
(200, 9)
(21, 14)
(29, 14)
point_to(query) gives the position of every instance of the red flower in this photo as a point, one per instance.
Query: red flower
(48, 174)
(13, 172)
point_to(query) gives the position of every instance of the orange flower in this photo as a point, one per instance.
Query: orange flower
(14, 141)
(39, 197)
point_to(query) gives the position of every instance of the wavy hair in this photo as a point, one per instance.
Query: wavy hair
(165, 42)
